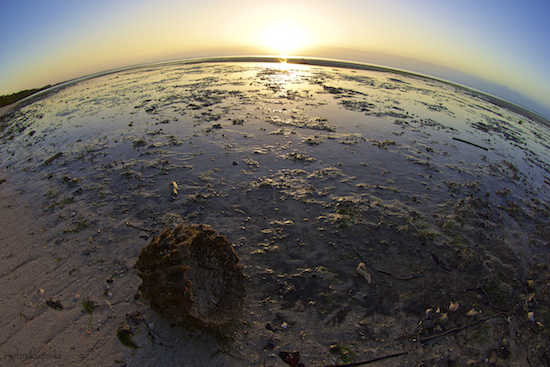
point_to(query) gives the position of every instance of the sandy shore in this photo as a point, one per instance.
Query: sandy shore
(310, 172)
(6, 108)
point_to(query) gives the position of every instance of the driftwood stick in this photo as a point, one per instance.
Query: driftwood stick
(139, 228)
(369, 361)
(467, 142)
(422, 340)
(385, 272)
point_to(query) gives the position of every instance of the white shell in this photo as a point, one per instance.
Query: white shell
(453, 307)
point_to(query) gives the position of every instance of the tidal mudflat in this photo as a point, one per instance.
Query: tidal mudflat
(374, 213)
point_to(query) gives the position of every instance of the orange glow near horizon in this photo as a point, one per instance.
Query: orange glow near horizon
(282, 28)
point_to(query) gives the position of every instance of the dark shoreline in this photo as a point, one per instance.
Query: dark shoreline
(298, 61)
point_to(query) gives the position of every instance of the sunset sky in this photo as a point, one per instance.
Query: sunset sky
(503, 46)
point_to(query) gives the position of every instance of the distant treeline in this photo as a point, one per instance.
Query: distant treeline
(11, 98)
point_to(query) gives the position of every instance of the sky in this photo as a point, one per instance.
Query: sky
(500, 47)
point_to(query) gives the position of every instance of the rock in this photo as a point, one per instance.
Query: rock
(192, 277)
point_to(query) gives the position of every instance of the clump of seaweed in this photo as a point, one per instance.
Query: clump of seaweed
(125, 336)
(89, 306)
(192, 277)
(56, 305)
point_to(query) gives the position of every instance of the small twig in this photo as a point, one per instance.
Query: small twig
(395, 276)
(467, 142)
(422, 340)
(139, 228)
(367, 362)
(137, 318)
(110, 306)
(53, 158)
(385, 272)
(227, 353)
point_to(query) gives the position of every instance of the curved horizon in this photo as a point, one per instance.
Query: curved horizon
(312, 61)
(499, 48)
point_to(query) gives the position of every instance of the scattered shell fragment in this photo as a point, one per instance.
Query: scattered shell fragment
(444, 319)
(453, 307)
(361, 269)
(473, 313)
(174, 188)
(429, 313)
(531, 316)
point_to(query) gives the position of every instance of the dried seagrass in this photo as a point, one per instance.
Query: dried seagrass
(192, 277)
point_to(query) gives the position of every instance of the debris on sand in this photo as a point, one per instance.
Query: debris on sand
(56, 305)
(125, 336)
(174, 189)
(453, 307)
(192, 277)
(52, 158)
(362, 270)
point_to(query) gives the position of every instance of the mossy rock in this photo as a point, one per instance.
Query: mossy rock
(192, 277)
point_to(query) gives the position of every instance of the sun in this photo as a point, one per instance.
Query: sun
(278, 28)
(284, 38)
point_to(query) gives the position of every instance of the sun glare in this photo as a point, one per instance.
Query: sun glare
(284, 38)
(281, 27)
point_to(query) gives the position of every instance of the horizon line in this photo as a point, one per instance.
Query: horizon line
(301, 60)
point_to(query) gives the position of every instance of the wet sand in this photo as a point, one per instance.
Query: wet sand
(6, 108)
(309, 171)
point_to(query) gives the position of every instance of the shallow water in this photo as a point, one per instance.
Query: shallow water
(304, 168)
(179, 112)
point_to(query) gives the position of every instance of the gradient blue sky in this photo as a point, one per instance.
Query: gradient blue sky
(501, 47)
